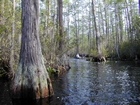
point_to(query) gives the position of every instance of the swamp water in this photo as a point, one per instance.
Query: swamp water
(88, 83)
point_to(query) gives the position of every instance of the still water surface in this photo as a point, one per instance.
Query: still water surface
(88, 83)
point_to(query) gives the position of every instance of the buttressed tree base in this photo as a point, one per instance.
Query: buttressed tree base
(31, 78)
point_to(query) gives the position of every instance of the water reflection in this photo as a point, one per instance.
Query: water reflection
(4, 93)
(45, 101)
(112, 83)
(88, 83)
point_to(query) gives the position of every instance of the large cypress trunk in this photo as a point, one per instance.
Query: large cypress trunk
(31, 78)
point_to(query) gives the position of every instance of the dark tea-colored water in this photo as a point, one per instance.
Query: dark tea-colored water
(88, 83)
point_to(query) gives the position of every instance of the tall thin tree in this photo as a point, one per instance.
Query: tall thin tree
(96, 29)
(139, 6)
(60, 25)
(12, 41)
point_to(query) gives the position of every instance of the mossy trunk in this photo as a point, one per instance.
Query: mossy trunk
(31, 81)
(31, 78)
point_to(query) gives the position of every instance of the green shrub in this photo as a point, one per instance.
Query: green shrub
(51, 70)
(129, 49)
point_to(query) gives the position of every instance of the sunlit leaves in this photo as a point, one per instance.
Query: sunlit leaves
(65, 2)
(113, 1)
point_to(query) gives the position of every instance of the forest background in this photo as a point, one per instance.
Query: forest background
(107, 27)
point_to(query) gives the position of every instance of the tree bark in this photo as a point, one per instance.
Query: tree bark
(106, 23)
(1, 18)
(12, 42)
(77, 36)
(76, 26)
(89, 33)
(2, 11)
(128, 19)
(60, 24)
(31, 78)
(116, 30)
(120, 25)
(96, 29)
(139, 7)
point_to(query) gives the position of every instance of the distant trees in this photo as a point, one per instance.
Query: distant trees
(96, 28)
(112, 23)
(8, 43)
(70, 26)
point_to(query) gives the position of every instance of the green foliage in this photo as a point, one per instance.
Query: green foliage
(136, 27)
(2, 72)
(94, 52)
(104, 51)
(116, 1)
(2, 28)
(125, 50)
(51, 70)
(6, 20)
(128, 49)
(65, 2)
(4, 66)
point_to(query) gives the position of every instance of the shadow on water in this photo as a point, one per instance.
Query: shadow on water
(31, 102)
(88, 83)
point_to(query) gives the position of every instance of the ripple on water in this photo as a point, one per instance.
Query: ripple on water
(88, 83)
(101, 84)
